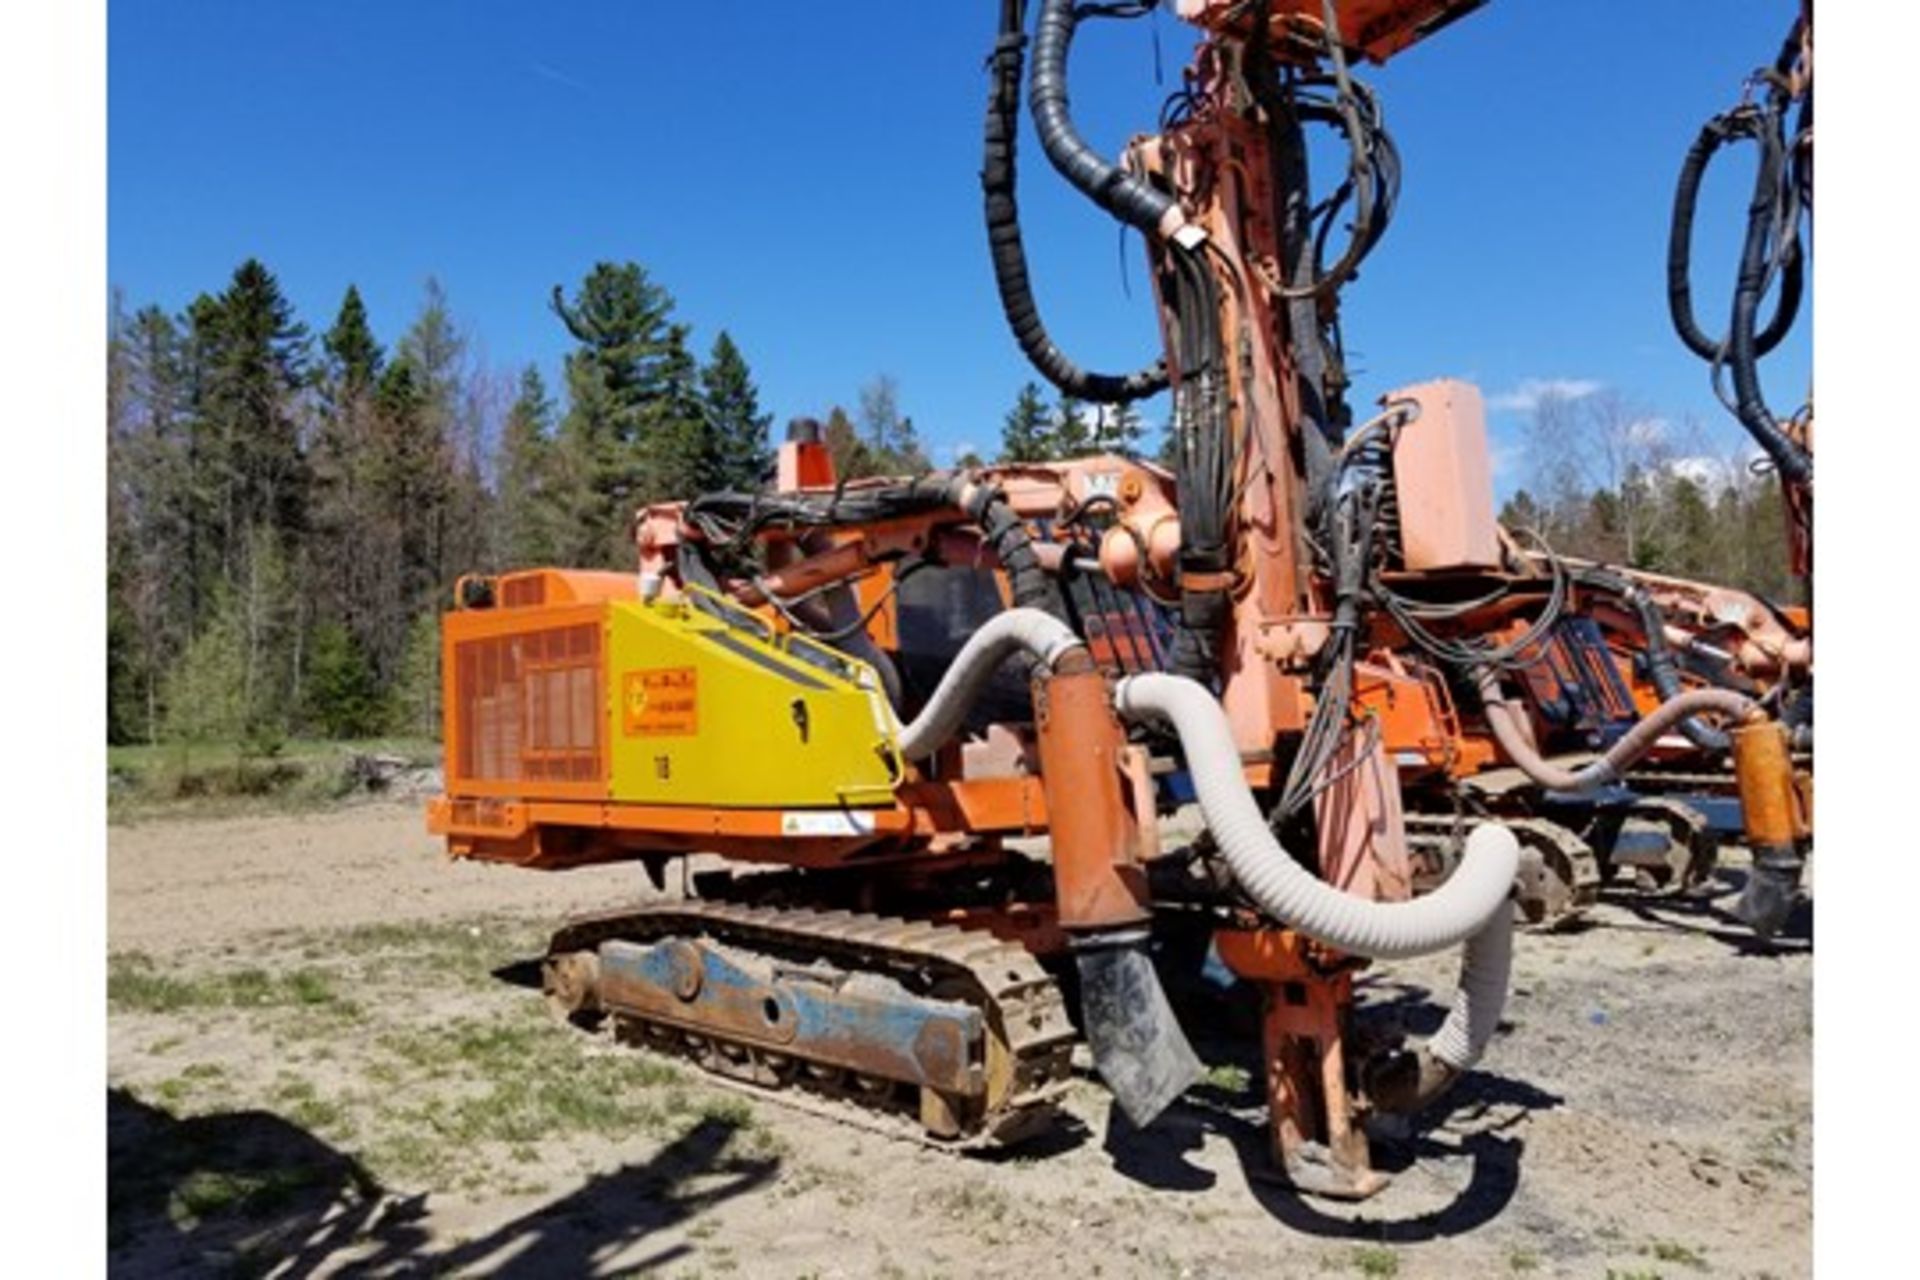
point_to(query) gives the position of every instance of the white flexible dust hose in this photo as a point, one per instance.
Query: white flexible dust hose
(1031, 631)
(1471, 906)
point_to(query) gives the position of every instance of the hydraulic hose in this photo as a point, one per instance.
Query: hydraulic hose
(998, 182)
(1128, 198)
(1772, 239)
(1503, 717)
(1470, 907)
(1006, 533)
(1715, 134)
(1029, 631)
(1792, 461)
(1662, 669)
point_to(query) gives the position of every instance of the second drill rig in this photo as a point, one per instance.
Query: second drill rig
(858, 692)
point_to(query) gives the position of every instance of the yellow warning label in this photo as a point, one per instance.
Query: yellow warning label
(660, 702)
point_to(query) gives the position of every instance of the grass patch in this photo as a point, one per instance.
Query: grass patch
(136, 984)
(500, 1088)
(1523, 1260)
(1376, 1260)
(1675, 1252)
(152, 781)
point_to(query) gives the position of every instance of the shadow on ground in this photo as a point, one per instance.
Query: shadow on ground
(1470, 1122)
(247, 1192)
(1706, 913)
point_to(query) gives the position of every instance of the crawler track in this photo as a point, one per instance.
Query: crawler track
(1559, 874)
(1029, 1037)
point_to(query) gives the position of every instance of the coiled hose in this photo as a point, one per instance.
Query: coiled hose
(1772, 239)
(998, 183)
(1504, 716)
(1471, 907)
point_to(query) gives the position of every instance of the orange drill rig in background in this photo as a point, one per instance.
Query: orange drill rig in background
(857, 693)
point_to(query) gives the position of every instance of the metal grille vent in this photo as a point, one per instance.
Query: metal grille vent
(530, 706)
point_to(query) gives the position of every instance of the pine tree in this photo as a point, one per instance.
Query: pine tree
(255, 366)
(346, 520)
(1521, 512)
(340, 699)
(735, 453)
(1024, 436)
(852, 459)
(1071, 436)
(354, 356)
(1117, 429)
(526, 477)
(631, 432)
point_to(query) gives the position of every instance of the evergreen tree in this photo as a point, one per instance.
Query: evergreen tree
(630, 435)
(852, 459)
(255, 366)
(1025, 436)
(1521, 512)
(1071, 436)
(354, 356)
(1117, 429)
(526, 481)
(340, 698)
(451, 416)
(736, 454)
(347, 521)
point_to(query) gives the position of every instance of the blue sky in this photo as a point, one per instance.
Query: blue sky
(806, 176)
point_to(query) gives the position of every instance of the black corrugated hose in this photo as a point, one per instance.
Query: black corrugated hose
(998, 182)
(1772, 244)
(1131, 199)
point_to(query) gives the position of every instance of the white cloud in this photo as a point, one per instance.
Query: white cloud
(1646, 432)
(1526, 397)
(959, 450)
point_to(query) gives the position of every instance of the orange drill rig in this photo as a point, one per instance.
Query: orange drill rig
(859, 693)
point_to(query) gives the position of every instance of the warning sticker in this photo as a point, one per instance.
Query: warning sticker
(825, 822)
(661, 702)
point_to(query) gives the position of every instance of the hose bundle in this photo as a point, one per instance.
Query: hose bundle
(1771, 250)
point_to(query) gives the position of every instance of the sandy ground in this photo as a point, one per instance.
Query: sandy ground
(324, 1059)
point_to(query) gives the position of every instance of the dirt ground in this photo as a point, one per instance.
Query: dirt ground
(324, 1059)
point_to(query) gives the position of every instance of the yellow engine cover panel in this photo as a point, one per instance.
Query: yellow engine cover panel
(708, 708)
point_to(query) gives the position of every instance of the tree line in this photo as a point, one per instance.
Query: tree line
(287, 512)
(1607, 480)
